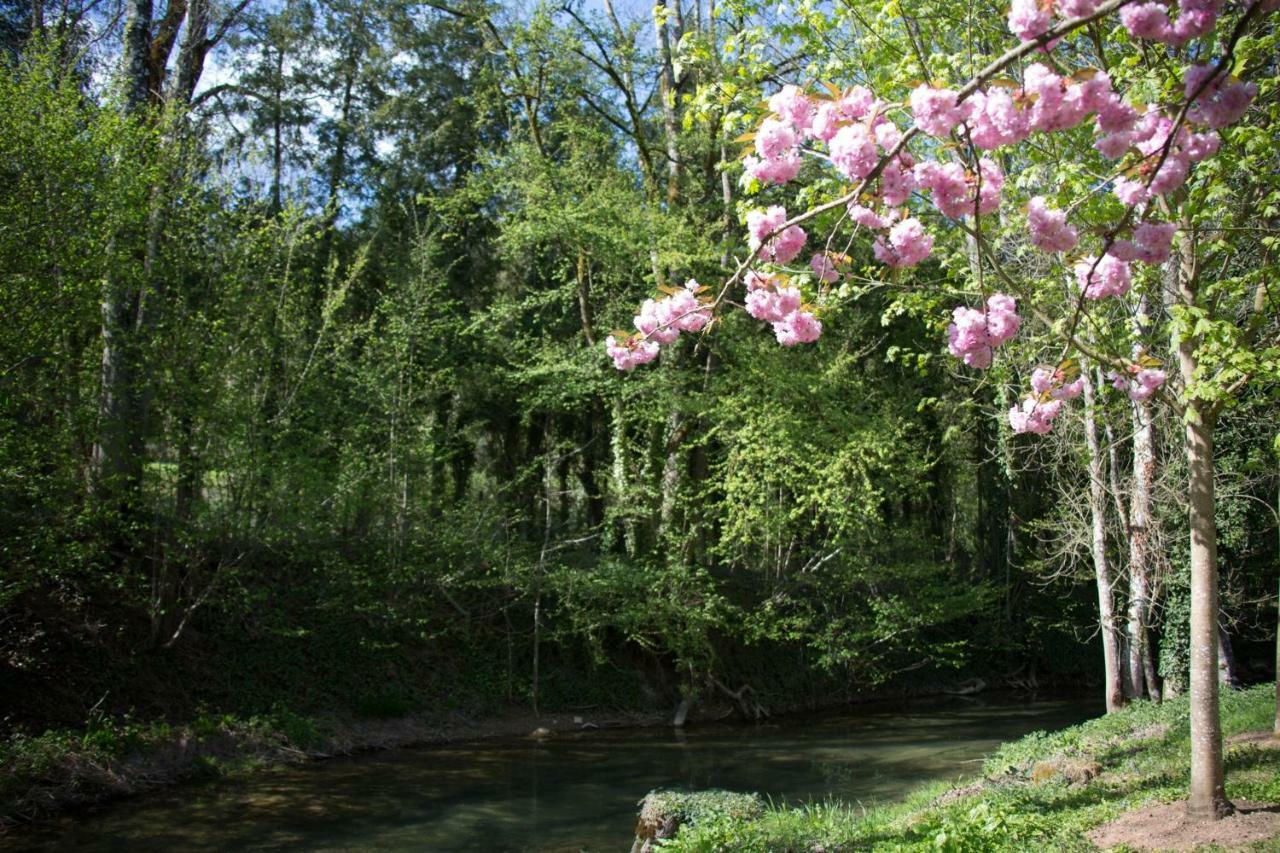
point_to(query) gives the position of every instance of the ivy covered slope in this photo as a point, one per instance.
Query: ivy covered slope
(1043, 792)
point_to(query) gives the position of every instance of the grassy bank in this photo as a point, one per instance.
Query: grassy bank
(1043, 792)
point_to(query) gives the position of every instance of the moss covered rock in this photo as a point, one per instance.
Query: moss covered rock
(662, 813)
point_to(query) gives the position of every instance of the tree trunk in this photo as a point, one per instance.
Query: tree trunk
(117, 451)
(1208, 797)
(1144, 467)
(1102, 570)
(668, 94)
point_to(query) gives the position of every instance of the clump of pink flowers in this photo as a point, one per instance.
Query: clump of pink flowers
(1138, 382)
(907, 245)
(772, 299)
(659, 322)
(975, 333)
(1034, 415)
(1100, 278)
(769, 237)
(1049, 229)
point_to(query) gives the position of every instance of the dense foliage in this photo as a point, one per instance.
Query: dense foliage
(303, 398)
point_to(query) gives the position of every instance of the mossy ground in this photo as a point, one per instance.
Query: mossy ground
(1019, 803)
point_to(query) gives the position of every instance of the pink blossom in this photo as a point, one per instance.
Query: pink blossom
(826, 121)
(1114, 145)
(973, 334)
(781, 247)
(853, 151)
(1057, 106)
(1140, 383)
(897, 180)
(1198, 146)
(1077, 8)
(1027, 19)
(1049, 229)
(768, 299)
(630, 351)
(1042, 379)
(1154, 240)
(793, 106)
(1115, 116)
(855, 103)
(868, 218)
(1100, 278)
(995, 119)
(776, 171)
(684, 310)
(1171, 174)
(951, 187)
(1130, 192)
(762, 223)
(655, 321)
(1146, 21)
(1195, 18)
(774, 139)
(908, 244)
(788, 244)
(1219, 102)
(935, 110)
(798, 327)
(1034, 416)
(1070, 390)
(823, 269)
(992, 179)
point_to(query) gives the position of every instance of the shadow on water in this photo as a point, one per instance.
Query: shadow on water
(573, 792)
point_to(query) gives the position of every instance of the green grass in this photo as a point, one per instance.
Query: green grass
(1142, 752)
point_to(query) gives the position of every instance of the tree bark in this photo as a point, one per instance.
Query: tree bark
(1141, 667)
(1102, 570)
(1208, 799)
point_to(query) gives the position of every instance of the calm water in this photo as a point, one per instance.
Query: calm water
(574, 792)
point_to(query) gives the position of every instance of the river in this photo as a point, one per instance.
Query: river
(572, 792)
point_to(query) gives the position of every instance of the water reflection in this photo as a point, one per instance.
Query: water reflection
(569, 793)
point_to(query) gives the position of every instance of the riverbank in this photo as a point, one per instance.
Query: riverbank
(1103, 781)
(114, 757)
(41, 775)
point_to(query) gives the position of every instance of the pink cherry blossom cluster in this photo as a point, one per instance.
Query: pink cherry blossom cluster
(975, 333)
(1150, 20)
(1049, 229)
(795, 117)
(660, 321)
(953, 187)
(1052, 381)
(1035, 415)
(907, 245)
(1151, 243)
(1103, 277)
(1039, 409)
(824, 268)
(1160, 171)
(1046, 102)
(1219, 99)
(1138, 382)
(772, 299)
(629, 351)
(770, 238)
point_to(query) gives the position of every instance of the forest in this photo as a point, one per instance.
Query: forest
(341, 369)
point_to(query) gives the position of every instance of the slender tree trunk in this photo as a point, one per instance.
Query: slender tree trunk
(1208, 797)
(667, 92)
(1140, 519)
(1114, 688)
